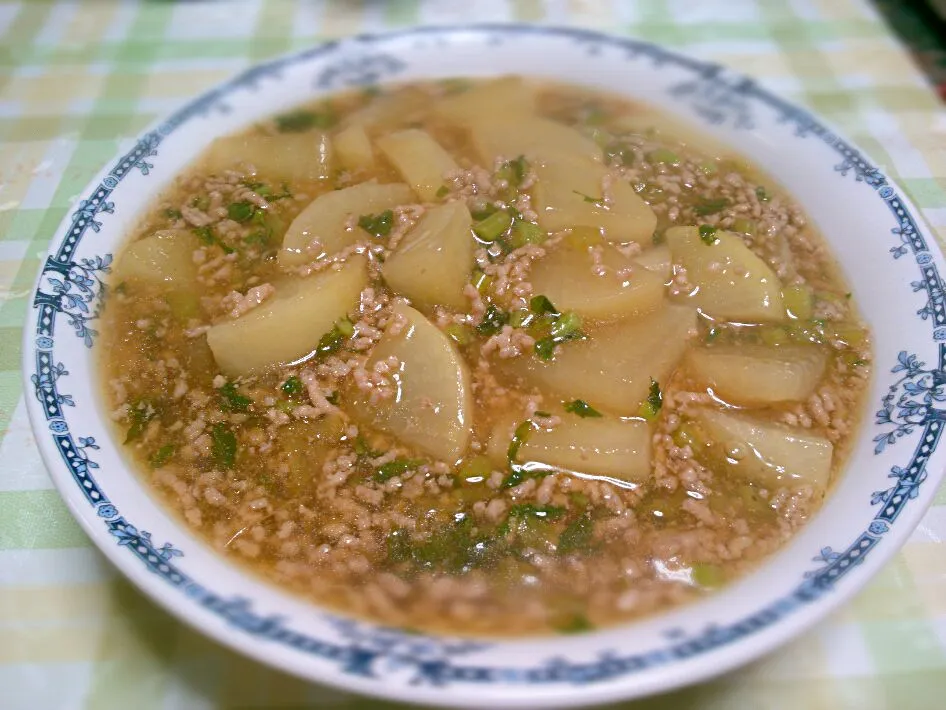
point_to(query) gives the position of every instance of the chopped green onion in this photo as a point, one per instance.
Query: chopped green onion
(650, 408)
(206, 236)
(285, 406)
(521, 318)
(708, 167)
(223, 445)
(524, 232)
(363, 450)
(519, 437)
(378, 225)
(761, 194)
(292, 387)
(545, 348)
(493, 321)
(564, 327)
(567, 327)
(852, 359)
(493, 227)
(303, 120)
(141, 414)
(172, 213)
(598, 201)
(529, 511)
(459, 333)
(395, 468)
(260, 238)
(519, 473)
(743, 225)
(241, 211)
(577, 536)
(264, 190)
(333, 340)
(541, 304)
(513, 171)
(664, 155)
(707, 575)
(231, 400)
(711, 206)
(481, 281)
(476, 469)
(345, 327)
(162, 455)
(581, 408)
(574, 624)
(442, 191)
(708, 234)
(480, 213)
(798, 302)
(619, 153)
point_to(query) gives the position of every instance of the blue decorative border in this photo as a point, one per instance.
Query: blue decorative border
(71, 288)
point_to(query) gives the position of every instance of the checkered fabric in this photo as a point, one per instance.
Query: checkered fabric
(79, 79)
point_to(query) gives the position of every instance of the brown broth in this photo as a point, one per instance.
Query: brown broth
(354, 519)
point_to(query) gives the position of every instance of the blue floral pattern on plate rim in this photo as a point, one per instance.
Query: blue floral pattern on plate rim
(72, 290)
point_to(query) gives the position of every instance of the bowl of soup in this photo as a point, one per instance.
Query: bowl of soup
(499, 365)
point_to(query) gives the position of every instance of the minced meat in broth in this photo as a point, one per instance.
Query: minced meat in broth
(483, 357)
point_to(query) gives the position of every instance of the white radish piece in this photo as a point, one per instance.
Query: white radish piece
(758, 375)
(729, 281)
(432, 406)
(287, 326)
(432, 264)
(321, 229)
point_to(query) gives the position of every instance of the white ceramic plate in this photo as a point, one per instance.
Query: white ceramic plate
(890, 259)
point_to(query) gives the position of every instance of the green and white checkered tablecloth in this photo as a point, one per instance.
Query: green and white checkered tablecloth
(79, 78)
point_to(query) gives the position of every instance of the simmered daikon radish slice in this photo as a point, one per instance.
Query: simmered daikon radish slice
(322, 227)
(420, 160)
(389, 110)
(353, 148)
(509, 95)
(289, 156)
(757, 374)
(606, 446)
(432, 407)
(600, 283)
(769, 454)
(288, 326)
(657, 260)
(432, 264)
(540, 140)
(612, 369)
(166, 258)
(729, 281)
(571, 194)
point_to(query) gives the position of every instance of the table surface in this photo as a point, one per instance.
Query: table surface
(79, 78)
